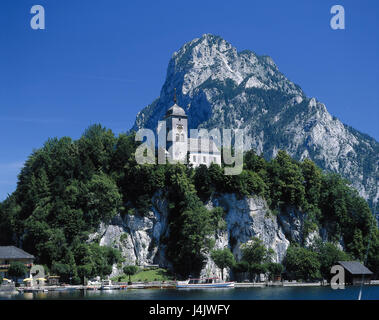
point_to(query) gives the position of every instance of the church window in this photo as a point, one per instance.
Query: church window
(204, 159)
(177, 137)
(182, 137)
(194, 158)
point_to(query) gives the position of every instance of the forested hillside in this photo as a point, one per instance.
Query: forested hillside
(67, 188)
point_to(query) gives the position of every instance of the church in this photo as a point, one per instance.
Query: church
(199, 150)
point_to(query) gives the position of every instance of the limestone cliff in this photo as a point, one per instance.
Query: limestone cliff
(139, 238)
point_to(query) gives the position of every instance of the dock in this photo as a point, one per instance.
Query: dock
(250, 284)
(276, 284)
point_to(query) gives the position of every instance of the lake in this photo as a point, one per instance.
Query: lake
(267, 293)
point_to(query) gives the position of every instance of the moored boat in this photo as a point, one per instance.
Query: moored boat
(106, 285)
(204, 283)
(93, 285)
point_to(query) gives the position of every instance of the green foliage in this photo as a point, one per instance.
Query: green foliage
(190, 224)
(329, 255)
(255, 252)
(373, 255)
(93, 260)
(63, 270)
(241, 266)
(257, 269)
(158, 274)
(286, 181)
(191, 240)
(223, 258)
(130, 270)
(17, 270)
(217, 219)
(302, 263)
(67, 188)
(256, 257)
(204, 183)
(274, 269)
(102, 199)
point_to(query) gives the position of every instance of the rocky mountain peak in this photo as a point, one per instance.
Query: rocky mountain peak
(219, 87)
(211, 58)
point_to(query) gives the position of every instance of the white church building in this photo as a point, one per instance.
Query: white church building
(200, 150)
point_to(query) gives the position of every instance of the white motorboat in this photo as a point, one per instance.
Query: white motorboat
(106, 285)
(204, 283)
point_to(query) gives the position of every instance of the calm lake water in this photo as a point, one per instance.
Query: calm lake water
(269, 293)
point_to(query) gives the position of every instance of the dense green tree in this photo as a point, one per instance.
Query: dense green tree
(286, 181)
(63, 270)
(241, 266)
(203, 182)
(102, 200)
(254, 162)
(96, 148)
(312, 182)
(124, 152)
(9, 213)
(274, 269)
(373, 253)
(257, 256)
(17, 270)
(130, 271)
(255, 269)
(223, 258)
(190, 224)
(140, 182)
(329, 255)
(255, 252)
(302, 263)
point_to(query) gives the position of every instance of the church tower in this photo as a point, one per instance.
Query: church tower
(177, 132)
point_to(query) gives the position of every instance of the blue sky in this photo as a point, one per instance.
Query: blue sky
(101, 61)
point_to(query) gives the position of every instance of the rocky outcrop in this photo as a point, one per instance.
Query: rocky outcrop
(139, 238)
(246, 218)
(251, 217)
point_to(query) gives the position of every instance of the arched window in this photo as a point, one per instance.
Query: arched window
(182, 137)
(177, 137)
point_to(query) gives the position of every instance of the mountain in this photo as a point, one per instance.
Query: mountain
(220, 87)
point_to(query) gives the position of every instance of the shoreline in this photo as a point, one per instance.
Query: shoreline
(169, 285)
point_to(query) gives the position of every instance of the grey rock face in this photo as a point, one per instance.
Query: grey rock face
(251, 217)
(246, 218)
(292, 222)
(221, 88)
(139, 238)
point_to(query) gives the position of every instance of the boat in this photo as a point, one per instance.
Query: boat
(93, 285)
(106, 285)
(32, 290)
(204, 283)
